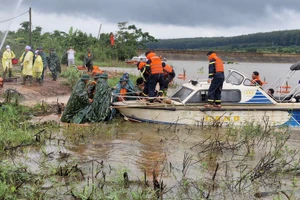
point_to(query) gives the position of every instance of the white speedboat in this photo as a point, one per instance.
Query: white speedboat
(242, 102)
(134, 60)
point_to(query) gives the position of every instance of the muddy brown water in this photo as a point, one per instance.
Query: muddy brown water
(141, 147)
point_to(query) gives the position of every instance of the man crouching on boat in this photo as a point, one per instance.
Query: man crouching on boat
(215, 78)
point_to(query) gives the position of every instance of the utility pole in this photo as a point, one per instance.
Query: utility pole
(30, 24)
(99, 32)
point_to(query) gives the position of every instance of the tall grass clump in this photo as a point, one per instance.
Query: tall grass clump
(72, 75)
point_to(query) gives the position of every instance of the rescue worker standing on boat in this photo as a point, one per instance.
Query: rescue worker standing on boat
(154, 64)
(215, 78)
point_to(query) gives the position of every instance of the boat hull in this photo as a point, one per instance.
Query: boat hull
(273, 115)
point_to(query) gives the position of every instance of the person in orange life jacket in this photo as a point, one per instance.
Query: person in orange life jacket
(256, 79)
(123, 89)
(145, 73)
(215, 78)
(129, 82)
(154, 64)
(169, 75)
(91, 87)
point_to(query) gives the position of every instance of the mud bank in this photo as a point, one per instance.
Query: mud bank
(228, 56)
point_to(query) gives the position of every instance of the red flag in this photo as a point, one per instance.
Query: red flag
(112, 39)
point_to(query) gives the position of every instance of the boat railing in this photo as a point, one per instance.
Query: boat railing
(131, 96)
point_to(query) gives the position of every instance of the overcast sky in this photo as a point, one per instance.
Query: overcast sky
(161, 18)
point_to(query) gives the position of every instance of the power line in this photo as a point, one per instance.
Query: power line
(14, 17)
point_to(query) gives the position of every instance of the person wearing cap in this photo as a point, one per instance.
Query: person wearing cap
(27, 64)
(215, 78)
(78, 103)
(129, 82)
(88, 60)
(123, 89)
(54, 64)
(92, 86)
(37, 69)
(71, 56)
(7, 57)
(44, 59)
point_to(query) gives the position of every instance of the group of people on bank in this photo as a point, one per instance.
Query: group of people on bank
(33, 64)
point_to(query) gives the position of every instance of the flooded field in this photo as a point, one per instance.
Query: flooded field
(124, 160)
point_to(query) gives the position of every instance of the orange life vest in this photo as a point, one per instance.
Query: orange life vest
(257, 81)
(123, 92)
(155, 64)
(140, 65)
(167, 69)
(218, 62)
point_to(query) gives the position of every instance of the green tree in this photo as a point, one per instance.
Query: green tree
(129, 38)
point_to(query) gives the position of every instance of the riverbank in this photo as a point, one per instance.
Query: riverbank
(197, 55)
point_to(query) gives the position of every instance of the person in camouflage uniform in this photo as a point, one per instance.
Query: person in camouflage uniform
(100, 108)
(92, 86)
(44, 59)
(88, 60)
(54, 64)
(79, 103)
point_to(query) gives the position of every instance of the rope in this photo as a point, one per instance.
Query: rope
(14, 17)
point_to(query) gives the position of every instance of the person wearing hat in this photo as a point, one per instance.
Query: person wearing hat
(92, 86)
(7, 57)
(123, 89)
(27, 64)
(88, 60)
(54, 64)
(215, 78)
(38, 67)
(44, 59)
(78, 103)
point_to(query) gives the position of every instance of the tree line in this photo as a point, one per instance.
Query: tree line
(128, 39)
(285, 41)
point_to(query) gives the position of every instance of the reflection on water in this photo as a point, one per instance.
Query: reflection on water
(177, 154)
(140, 146)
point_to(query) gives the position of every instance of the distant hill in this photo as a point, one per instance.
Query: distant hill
(286, 41)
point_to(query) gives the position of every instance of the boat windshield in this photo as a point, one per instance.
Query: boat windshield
(182, 94)
(235, 78)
